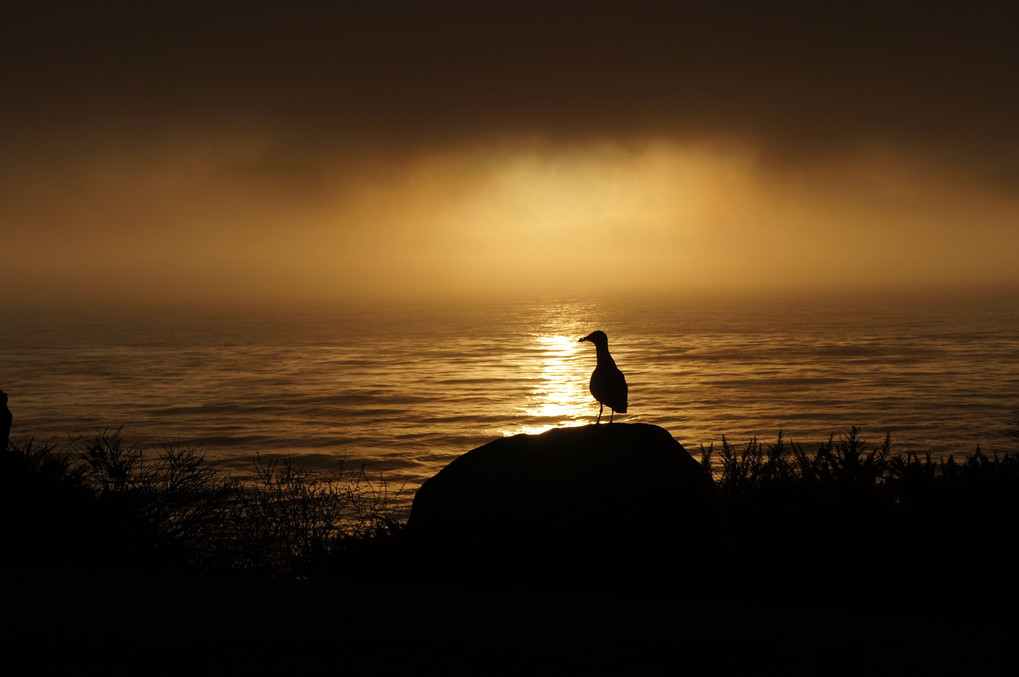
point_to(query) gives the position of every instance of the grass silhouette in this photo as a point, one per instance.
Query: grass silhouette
(861, 527)
(104, 503)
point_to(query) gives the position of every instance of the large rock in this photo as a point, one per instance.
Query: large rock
(565, 490)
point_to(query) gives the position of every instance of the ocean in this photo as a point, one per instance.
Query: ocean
(404, 389)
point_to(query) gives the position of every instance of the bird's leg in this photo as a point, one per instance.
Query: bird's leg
(601, 408)
(611, 414)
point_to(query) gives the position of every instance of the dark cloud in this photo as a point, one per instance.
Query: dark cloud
(802, 78)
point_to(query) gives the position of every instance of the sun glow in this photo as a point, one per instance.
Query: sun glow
(538, 219)
(509, 218)
(563, 211)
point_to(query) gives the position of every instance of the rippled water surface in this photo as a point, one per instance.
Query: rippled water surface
(406, 389)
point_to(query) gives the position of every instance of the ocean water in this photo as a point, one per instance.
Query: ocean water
(405, 389)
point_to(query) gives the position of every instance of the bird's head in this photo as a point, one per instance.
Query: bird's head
(596, 337)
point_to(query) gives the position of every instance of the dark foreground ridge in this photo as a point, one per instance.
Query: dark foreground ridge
(605, 548)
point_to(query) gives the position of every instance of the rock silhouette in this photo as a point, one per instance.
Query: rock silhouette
(594, 499)
(608, 385)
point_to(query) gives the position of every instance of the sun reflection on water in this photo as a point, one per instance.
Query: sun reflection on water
(559, 396)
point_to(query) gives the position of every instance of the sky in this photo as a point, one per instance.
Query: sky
(358, 151)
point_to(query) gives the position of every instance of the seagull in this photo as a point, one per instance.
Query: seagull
(607, 383)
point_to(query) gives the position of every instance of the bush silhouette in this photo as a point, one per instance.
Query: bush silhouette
(104, 503)
(861, 527)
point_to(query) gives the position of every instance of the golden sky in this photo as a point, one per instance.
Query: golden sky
(353, 151)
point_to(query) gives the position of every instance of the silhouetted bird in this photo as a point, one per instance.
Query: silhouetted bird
(607, 383)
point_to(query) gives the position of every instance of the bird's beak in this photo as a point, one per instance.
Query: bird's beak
(581, 339)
